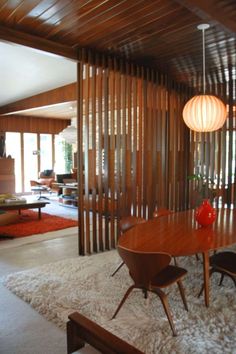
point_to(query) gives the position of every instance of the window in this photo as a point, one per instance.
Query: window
(45, 152)
(30, 159)
(38, 155)
(13, 148)
(59, 155)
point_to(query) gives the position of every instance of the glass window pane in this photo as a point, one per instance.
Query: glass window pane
(46, 152)
(13, 148)
(30, 159)
(61, 165)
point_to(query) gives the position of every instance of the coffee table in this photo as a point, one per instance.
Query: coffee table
(28, 205)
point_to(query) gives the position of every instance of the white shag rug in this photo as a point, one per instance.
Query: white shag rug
(84, 284)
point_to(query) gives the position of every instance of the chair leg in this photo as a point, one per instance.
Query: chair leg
(197, 257)
(202, 288)
(175, 262)
(145, 293)
(182, 293)
(164, 300)
(118, 268)
(221, 279)
(123, 300)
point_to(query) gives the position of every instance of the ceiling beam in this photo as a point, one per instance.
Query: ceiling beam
(61, 94)
(210, 10)
(28, 40)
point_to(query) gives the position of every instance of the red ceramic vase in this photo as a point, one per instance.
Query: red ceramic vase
(205, 214)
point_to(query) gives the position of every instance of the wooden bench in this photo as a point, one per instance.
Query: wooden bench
(81, 330)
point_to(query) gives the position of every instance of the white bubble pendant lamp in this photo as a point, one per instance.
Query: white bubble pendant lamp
(204, 113)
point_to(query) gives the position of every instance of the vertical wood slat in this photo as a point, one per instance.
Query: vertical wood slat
(186, 155)
(165, 145)
(112, 201)
(128, 137)
(234, 147)
(223, 148)
(173, 99)
(218, 136)
(93, 185)
(149, 147)
(100, 136)
(171, 157)
(140, 144)
(154, 148)
(81, 236)
(135, 138)
(118, 138)
(86, 156)
(106, 172)
(144, 142)
(160, 150)
(230, 139)
(123, 139)
(179, 154)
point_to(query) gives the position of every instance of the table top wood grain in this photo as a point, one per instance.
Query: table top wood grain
(180, 235)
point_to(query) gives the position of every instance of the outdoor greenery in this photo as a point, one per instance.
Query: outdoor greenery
(204, 188)
(67, 150)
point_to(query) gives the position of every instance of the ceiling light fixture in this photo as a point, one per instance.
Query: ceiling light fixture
(70, 132)
(204, 113)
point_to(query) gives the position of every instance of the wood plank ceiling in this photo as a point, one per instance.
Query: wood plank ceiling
(157, 33)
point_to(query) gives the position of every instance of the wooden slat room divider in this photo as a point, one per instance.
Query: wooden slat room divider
(132, 146)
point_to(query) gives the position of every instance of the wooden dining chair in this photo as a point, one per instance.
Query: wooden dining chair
(152, 272)
(223, 263)
(126, 224)
(158, 212)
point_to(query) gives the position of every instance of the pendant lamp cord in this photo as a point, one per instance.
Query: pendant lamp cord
(203, 61)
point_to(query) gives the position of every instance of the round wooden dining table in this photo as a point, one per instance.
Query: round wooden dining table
(180, 235)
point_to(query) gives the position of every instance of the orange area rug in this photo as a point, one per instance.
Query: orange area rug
(29, 224)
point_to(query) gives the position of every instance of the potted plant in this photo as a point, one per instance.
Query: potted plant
(204, 188)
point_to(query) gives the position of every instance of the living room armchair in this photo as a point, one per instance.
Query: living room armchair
(46, 179)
